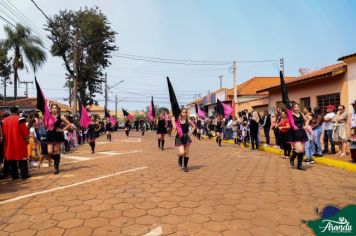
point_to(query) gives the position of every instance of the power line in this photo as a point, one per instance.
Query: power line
(185, 61)
(171, 62)
(19, 17)
(8, 22)
(49, 19)
(23, 15)
(170, 59)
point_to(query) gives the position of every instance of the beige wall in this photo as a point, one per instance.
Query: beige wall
(313, 89)
(250, 104)
(351, 78)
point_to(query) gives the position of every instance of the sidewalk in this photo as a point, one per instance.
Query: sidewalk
(325, 160)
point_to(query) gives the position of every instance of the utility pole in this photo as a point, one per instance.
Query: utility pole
(281, 65)
(70, 92)
(106, 90)
(75, 79)
(116, 102)
(235, 83)
(221, 77)
(26, 84)
(4, 89)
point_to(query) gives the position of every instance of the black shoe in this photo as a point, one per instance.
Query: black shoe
(301, 168)
(56, 171)
(180, 162)
(26, 177)
(186, 159)
(334, 152)
(2, 176)
(15, 178)
(325, 151)
(291, 162)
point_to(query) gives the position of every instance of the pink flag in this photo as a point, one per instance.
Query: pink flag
(291, 119)
(227, 110)
(131, 117)
(179, 129)
(201, 114)
(150, 117)
(112, 120)
(165, 115)
(84, 118)
(49, 120)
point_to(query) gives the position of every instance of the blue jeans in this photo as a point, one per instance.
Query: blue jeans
(266, 131)
(328, 136)
(229, 133)
(309, 148)
(317, 136)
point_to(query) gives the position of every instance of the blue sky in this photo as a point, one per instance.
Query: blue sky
(308, 34)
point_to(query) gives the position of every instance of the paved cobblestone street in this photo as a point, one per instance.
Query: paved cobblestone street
(130, 187)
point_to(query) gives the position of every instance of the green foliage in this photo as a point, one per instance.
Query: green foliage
(24, 45)
(5, 64)
(95, 41)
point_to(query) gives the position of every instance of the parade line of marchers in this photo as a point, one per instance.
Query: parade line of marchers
(16, 134)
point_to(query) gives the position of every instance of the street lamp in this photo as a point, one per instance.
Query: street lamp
(106, 94)
(107, 89)
(110, 87)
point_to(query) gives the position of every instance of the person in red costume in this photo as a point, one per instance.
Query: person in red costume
(16, 136)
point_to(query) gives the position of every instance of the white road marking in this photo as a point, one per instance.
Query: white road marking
(69, 186)
(107, 155)
(53, 176)
(155, 232)
(113, 153)
(77, 158)
(129, 140)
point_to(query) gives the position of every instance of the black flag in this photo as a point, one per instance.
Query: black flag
(220, 108)
(173, 99)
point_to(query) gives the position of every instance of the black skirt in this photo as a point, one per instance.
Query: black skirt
(184, 140)
(299, 135)
(54, 137)
(161, 130)
(92, 134)
(286, 137)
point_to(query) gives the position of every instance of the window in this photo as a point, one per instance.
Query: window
(304, 102)
(329, 99)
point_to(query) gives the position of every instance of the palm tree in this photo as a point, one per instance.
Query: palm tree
(24, 45)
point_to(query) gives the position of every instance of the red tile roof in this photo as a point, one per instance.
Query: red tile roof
(328, 71)
(31, 103)
(347, 56)
(251, 86)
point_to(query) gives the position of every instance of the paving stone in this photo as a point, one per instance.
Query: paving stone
(70, 223)
(234, 192)
(78, 231)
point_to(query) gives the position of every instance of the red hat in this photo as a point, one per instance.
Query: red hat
(331, 107)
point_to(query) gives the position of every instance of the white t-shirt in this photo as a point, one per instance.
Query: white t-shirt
(353, 120)
(329, 125)
(33, 132)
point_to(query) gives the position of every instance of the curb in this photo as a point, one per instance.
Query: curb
(320, 160)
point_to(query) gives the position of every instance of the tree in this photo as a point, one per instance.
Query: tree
(5, 68)
(25, 45)
(158, 110)
(86, 36)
